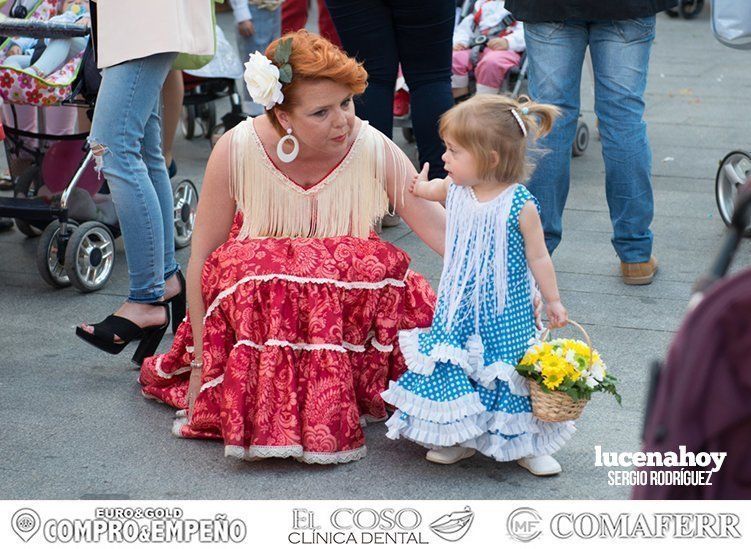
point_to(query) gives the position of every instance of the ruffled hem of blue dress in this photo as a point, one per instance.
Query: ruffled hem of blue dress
(470, 359)
(491, 433)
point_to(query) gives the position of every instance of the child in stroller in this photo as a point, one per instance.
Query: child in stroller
(490, 42)
(43, 57)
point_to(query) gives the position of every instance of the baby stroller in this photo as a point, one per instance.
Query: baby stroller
(78, 251)
(731, 25)
(513, 84)
(701, 397)
(204, 86)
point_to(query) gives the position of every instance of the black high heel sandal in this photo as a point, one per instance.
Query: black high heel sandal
(116, 326)
(178, 302)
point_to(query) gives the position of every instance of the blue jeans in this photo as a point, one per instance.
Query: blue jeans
(620, 57)
(267, 25)
(416, 33)
(127, 143)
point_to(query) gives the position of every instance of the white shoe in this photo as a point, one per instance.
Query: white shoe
(452, 454)
(542, 466)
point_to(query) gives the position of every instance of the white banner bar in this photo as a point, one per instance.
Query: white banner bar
(308, 523)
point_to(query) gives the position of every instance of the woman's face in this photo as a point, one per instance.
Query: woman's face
(323, 118)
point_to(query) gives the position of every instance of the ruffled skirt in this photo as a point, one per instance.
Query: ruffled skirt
(300, 339)
(452, 395)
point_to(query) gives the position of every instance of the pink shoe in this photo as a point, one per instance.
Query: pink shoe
(401, 103)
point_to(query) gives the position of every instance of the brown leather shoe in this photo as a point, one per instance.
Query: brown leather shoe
(638, 274)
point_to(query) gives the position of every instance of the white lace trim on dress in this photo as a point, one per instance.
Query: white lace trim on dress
(253, 453)
(305, 280)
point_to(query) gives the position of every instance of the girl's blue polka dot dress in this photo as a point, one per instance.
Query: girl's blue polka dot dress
(461, 387)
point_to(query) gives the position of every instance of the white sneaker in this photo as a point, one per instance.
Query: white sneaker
(542, 466)
(452, 454)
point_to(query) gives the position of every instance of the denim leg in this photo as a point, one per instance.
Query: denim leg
(424, 32)
(556, 53)
(367, 32)
(620, 58)
(126, 101)
(268, 27)
(151, 151)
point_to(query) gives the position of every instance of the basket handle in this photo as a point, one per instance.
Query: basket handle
(546, 334)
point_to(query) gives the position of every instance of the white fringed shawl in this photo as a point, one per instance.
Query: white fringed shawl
(476, 246)
(347, 202)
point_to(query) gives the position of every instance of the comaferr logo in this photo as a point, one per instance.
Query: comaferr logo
(645, 525)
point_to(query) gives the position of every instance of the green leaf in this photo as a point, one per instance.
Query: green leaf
(283, 51)
(285, 74)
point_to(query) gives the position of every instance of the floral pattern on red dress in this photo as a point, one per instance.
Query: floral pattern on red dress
(300, 339)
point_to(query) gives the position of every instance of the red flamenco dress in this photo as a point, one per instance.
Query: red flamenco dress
(300, 330)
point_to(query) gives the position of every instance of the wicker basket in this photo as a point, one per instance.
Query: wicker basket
(554, 405)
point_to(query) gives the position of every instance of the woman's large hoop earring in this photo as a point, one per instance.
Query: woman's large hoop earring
(288, 157)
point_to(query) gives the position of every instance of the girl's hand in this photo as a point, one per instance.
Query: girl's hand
(537, 306)
(422, 177)
(557, 314)
(460, 47)
(193, 389)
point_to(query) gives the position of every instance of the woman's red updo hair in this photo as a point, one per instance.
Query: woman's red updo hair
(312, 58)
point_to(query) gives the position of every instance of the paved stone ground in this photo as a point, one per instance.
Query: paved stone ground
(75, 425)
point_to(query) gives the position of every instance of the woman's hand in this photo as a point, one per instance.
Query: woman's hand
(557, 314)
(194, 388)
(498, 44)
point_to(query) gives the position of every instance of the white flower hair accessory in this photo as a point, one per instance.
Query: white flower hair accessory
(264, 79)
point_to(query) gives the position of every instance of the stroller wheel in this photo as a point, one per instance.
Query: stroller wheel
(50, 255)
(409, 134)
(90, 256)
(581, 140)
(690, 8)
(733, 172)
(188, 121)
(27, 229)
(186, 200)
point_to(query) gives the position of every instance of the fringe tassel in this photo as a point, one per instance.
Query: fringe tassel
(347, 202)
(476, 247)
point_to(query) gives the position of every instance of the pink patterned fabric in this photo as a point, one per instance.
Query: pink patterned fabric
(300, 339)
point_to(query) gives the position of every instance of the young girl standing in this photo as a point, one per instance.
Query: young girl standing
(461, 392)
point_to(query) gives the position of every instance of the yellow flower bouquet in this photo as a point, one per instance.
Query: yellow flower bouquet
(563, 374)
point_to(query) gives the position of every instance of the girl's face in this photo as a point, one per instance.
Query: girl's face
(323, 119)
(460, 164)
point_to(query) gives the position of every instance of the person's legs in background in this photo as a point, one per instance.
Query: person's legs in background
(267, 25)
(326, 25)
(620, 57)
(126, 103)
(492, 68)
(294, 15)
(460, 67)
(157, 170)
(424, 31)
(173, 92)
(367, 33)
(556, 53)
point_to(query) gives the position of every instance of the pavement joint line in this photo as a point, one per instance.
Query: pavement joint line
(629, 296)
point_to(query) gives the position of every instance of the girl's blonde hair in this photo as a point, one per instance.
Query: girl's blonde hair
(485, 124)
